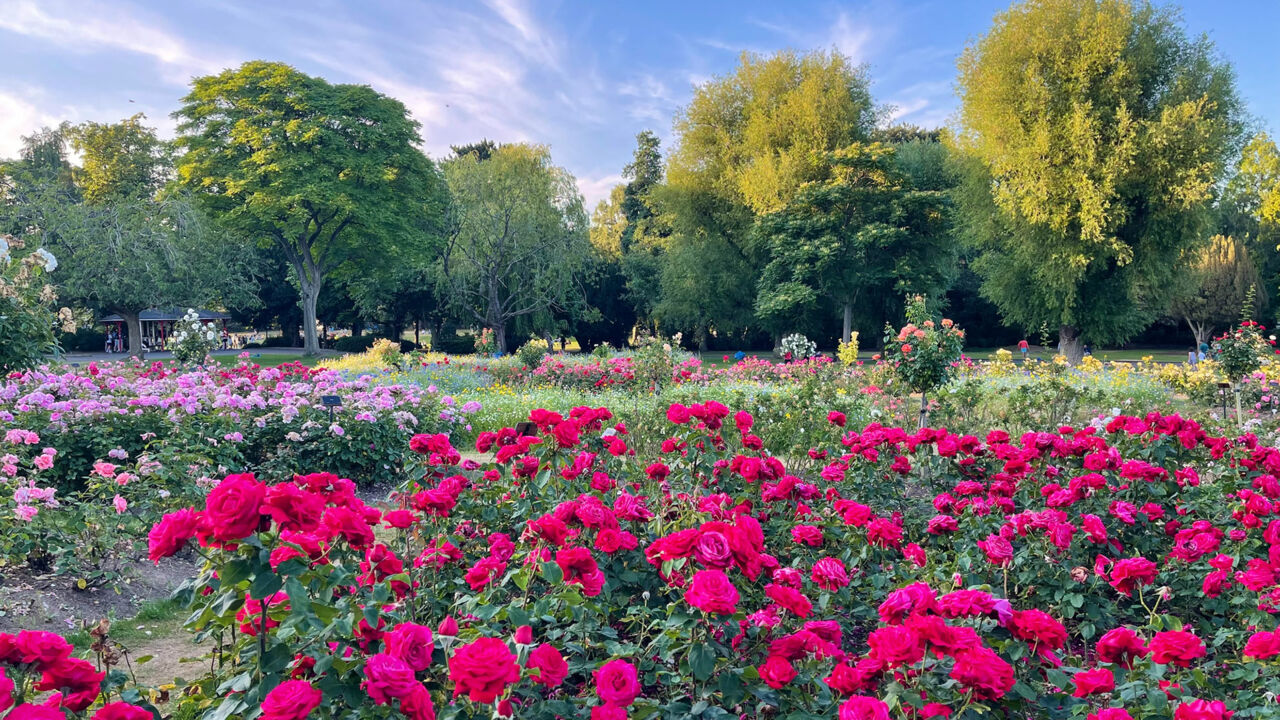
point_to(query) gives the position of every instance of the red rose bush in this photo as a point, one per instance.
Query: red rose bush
(1125, 570)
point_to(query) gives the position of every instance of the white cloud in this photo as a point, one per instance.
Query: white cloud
(596, 189)
(851, 37)
(105, 26)
(19, 117)
(651, 101)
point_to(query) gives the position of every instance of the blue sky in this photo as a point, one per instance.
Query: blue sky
(583, 77)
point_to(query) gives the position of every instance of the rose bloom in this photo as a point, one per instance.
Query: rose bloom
(172, 533)
(830, 574)
(411, 643)
(984, 672)
(896, 646)
(387, 677)
(482, 669)
(122, 711)
(1263, 645)
(1121, 645)
(1093, 682)
(616, 683)
(1111, 714)
(1178, 647)
(1043, 633)
(551, 666)
(861, 707)
(233, 508)
(290, 700)
(776, 671)
(789, 598)
(712, 592)
(712, 549)
(1202, 710)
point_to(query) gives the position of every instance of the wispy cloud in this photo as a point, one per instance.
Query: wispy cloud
(598, 188)
(108, 27)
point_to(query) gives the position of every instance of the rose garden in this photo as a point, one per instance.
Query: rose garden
(818, 414)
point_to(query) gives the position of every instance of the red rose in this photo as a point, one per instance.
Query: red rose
(933, 710)
(998, 550)
(6, 691)
(1202, 710)
(45, 649)
(1121, 645)
(290, 700)
(293, 508)
(712, 592)
(1039, 629)
(616, 683)
(411, 643)
(712, 549)
(388, 677)
(1129, 573)
(1111, 714)
(836, 418)
(417, 704)
(896, 645)
(608, 712)
(78, 681)
(172, 532)
(861, 707)
(121, 711)
(482, 669)
(809, 535)
(776, 671)
(829, 574)
(233, 509)
(524, 635)
(35, 712)
(678, 414)
(1092, 682)
(789, 598)
(1263, 645)
(1178, 647)
(567, 434)
(550, 664)
(399, 519)
(983, 672)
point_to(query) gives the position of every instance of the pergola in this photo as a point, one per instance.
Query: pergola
(157, 324)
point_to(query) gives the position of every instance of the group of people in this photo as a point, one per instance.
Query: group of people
(1195, 356)
(114, 342)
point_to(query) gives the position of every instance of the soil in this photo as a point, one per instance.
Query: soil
(52, 602)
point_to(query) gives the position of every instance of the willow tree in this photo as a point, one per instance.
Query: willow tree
(1218, 279)
(517, 237)
(329, 175)
(744, 145)
(1098, 131)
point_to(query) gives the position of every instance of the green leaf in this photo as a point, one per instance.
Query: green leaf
(702, 660)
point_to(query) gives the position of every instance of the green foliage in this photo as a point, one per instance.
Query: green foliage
(1218, 280)
(518, 241)
(27, 305)
(1096, 132)
(329, 175)
(861, 232)
(531, 353)
(121, 161)
(1242, 350)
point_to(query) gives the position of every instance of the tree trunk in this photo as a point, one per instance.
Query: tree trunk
(846, 330)
(310, 296)
(417, 329)
(1199, 331)
(133, 322)
(500, 337)
(1070, 344)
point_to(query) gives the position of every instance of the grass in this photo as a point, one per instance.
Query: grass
(153, 617)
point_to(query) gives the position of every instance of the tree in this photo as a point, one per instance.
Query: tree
(330, 175)
(1257, 180)
(744, 144)
(121, 247)
(1219, 280)
(860, 233)
(1097, 131)
(517, 242)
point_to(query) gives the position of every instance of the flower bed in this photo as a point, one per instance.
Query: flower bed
(1121, 571)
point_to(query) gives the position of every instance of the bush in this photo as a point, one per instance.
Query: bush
(354, 343)
(532, 352)
(797, 347)
(454, 344)
(930, 571)
(84, 339)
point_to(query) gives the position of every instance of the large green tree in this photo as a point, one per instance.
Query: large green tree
(517, 237)
(743, 145)
(329, 175)
(860, 233)
(1097, 131)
